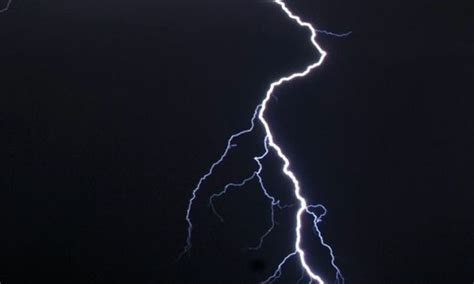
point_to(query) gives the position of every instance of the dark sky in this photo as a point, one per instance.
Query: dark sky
(110, 111)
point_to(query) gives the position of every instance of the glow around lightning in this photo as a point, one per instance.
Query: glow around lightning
(269, 143)
(7, 6)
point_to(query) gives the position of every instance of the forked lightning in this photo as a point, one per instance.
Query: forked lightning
(304, 208)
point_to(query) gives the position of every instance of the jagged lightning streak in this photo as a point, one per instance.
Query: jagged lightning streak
(4, 9)
(269, 142)
(334, 34)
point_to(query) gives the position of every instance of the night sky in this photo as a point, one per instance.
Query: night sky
(110, 111)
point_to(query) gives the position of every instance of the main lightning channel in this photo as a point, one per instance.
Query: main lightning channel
(272, 144)
(269, 142)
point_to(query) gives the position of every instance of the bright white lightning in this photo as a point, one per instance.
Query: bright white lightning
(270, 143)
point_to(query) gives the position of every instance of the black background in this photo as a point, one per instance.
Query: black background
(110, 111)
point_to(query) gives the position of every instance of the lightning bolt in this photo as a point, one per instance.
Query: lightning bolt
(270, 145)
(6, 6)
